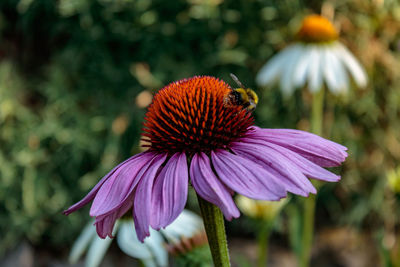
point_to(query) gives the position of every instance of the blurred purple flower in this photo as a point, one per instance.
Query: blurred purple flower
(188, 122)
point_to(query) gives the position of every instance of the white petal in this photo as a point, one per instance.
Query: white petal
(340, 71)
(329, 71)
(156, 244)
(352, 64)
(82, 242)
(271, 71)
(315, 69)
(128, 242)
(300, 73)
(97, 250)
(149, 263)
(287, 77)
(185, 225)
(151, 252)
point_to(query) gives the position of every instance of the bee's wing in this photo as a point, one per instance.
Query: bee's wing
(233, 76)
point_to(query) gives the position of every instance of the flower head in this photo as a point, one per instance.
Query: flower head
(259, 209)
(317, 58)
(393, 177)
(193, 134)
(190, 116)
(316, 29)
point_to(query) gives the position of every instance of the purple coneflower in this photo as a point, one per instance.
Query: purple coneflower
(193, 135)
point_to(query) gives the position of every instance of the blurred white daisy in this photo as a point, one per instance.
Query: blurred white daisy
(152, 252)
(318, 58)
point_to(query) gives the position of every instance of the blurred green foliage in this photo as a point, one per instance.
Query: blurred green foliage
(70, 72)
(198, 257)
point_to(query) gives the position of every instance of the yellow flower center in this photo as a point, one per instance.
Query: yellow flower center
(316, 29)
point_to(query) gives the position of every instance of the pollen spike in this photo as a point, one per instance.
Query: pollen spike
(194, 110)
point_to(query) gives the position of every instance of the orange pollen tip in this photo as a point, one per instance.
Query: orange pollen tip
(190, 116)
(317, 29)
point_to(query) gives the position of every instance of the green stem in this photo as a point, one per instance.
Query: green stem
(215, 229)
(308, 231)
(397, 257)
(317, 112)
(263, 242)
(309, 203)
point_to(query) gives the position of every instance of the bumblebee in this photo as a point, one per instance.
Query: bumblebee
(241, 96)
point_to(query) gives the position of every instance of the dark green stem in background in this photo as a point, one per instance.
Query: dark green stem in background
(317, 113)
(215, 229)
(397, 258)
(263, 244)
(308, 231)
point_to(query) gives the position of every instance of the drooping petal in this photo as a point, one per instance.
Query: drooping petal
(352, 64)
(151, 251)
(120, 185)
(97, 251)
(169, 192)
(157, 246)
(340, 71)
(277, 165)
(303, 65)
(142, 196)
(321, 151)
(272, 69)
(128, 242)
(105, 223)
(81, 243)
(186, 225)
(329, 67)
(287, 77)
(208, 186)
(334, 71)
(315, 80)
(307, 167)
(246, 177)
(91, 195)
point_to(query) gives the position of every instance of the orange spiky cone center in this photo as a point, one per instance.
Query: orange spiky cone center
(190, 116)
(316, 29)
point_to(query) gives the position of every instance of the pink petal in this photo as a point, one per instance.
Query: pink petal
(307, 167)
(321, 151)
(142, 198)
(277, 165)
(169, 192)
(89, 197)
(114, 192)
(105, 223)
(208, 186)
(246, 177)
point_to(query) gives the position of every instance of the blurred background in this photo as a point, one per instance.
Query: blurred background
(76, 77)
